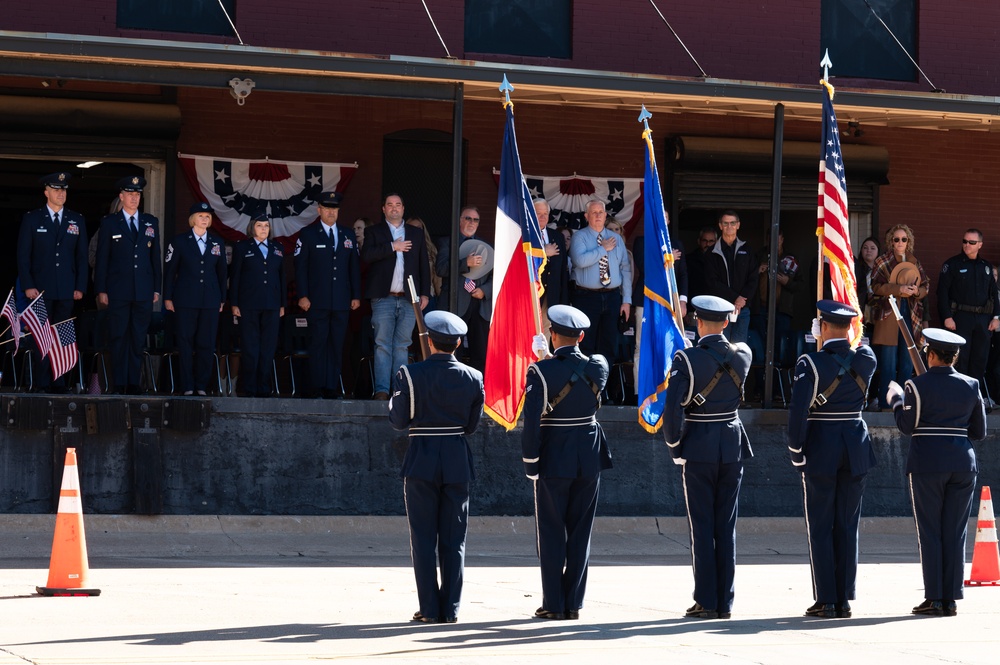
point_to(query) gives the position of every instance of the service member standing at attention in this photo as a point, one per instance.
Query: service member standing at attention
(564, 451)
(127, 277)
(257, 292)
(440, 400)
(328, 281)
(943, 413)
(969, 304)
(702, 427)
(194, 288)
(830, 446)
(52, 260)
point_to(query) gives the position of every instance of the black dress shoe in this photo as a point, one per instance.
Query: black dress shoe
(573, 615)
(542, 613)
(451, 619)
(822, 610)
(950, 608)
(696, 611)
(725, 615)
(844, 610)
(930, 608)
(417, 616)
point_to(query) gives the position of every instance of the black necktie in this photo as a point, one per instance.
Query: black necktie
(55, 219)
(132, 227)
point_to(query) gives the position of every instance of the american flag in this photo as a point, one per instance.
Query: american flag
(470, 285)
(36, 317)
(9, 312)
(833, 226)
(64, 355)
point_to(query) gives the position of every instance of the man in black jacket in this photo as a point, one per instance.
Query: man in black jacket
(731, 274)
(393, 252)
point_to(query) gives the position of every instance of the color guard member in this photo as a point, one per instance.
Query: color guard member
(564, 451)
(943, 412)
(440, 400)
(830, 446)
(702, 427)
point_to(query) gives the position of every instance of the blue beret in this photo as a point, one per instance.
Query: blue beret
(444, 327)
(835, 312)
(58, 180)
(199, 207)
(943, 340)
(329, 200)
(567, 320)
(712, 308)
(132, 183)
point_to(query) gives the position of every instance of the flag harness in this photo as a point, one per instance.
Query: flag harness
(577, 375)
(724, 367)
(845, 368)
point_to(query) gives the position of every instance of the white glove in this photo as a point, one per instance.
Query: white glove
(815, 328)
(540, 346)
(893, 393)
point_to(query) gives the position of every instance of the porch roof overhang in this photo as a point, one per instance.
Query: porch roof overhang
(199, 64)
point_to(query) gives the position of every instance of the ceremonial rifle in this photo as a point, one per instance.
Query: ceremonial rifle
(911, 347)
(425, 348)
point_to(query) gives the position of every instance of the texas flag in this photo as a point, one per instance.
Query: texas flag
(518, 259)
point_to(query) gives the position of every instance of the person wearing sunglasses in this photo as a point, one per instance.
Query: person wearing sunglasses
(897, 272)
(969, 304)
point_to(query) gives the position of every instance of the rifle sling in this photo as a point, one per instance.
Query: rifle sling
(576, 376)
(845, 368)
(724, 367)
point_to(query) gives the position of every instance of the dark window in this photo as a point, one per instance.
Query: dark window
(204, 17)
(861, 47)
(519, 27)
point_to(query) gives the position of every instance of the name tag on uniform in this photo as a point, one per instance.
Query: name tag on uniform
(964, 270)
(249, 255)
(301, 323)
(117, 237)
(41, 230)
(320, 246)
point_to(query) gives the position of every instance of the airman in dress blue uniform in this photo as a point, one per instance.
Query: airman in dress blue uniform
(943, 412)
(52, 261)
(830, 446)
(564, 451)
(257, 294)
(439, 400)
(702, 427)
(328, 282)
(127, 277)
(194, 288)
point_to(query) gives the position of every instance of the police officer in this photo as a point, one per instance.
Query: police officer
(194, 288)
(830, 446)
(328, 282)
(257, 293)
(127, 277)
(969, 304)
(52, 261)
(942, 411)
(702, 427)
(564, 451)
(440, 400)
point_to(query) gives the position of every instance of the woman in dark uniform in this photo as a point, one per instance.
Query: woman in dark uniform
(257, 293)
(194, 288)
(943, 413)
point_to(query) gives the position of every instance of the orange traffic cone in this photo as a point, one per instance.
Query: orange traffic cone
(68, 567)
(986, 555)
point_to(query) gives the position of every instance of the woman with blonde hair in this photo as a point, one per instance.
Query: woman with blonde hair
(896, 272)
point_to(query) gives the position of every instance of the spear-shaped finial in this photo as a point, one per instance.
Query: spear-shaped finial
(506, 88)
(644, 117)
(826, 64)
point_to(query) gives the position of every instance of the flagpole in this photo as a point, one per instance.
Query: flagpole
(8, 341)
(826, 64)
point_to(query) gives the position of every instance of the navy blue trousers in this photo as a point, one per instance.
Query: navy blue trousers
(711, 491)
(327, 329)
(128, 321)
(942, 504)
(438, 515)
(603, 310)
(564, 520)
(258, 344)
(832, 505)
(196, 334)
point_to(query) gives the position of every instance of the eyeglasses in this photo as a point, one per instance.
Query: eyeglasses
(971, 242)
(728, 223)
(903, 239)
(471, 219)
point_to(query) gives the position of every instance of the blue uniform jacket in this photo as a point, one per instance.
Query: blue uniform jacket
(711, 432)
(821, 434)
(255, 282)
(330, 278)
(194, 279)
(50, 259)
(943, 413)
(127, 270)
(440, 400)
(566, 442)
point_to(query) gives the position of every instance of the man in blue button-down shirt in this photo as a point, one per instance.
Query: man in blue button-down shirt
(603, 277)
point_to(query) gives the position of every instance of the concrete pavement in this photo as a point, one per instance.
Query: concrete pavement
(314, 589)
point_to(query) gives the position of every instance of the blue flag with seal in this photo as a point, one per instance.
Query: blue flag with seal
(661, 334)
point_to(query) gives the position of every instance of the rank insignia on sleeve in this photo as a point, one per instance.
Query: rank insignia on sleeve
(170, 253)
